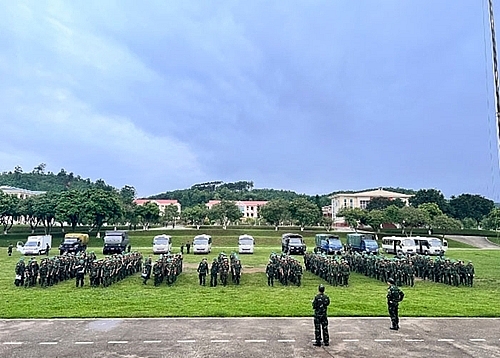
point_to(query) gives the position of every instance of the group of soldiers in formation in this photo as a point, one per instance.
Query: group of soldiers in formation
(102, 272)
(286, 269)
(333, 269)
(404, 269)
(166, 268)
(221, 267)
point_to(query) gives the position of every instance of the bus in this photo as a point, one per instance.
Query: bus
(399, 245)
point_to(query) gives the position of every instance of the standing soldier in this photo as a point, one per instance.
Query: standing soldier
(394, 296)
(9, 249)
(213, 273)
(80, 273)
(188, 246)
(20, 268)
(47, 249)
(182, 248)
(270, 273)
(320, 306)
(202, 270)
(237, 272)
(146, 273)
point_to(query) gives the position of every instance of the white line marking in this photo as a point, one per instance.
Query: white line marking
(151, 341)
(84, 342)
(186, 341)
(414, 340)
(351, 340)
(446, 340)
(383, 340)
(477, 340)
(286, 340)
(219, 341)
(117, 342)
(12, 342)
(48, 343)
(256, 340)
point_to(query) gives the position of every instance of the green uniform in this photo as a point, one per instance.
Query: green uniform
(320, 305)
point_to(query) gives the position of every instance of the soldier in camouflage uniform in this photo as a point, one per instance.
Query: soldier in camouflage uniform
(320, 305)
(270, 273)
(394, 296)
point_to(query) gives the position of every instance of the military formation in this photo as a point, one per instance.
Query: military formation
(444, 270)
(165, 269)
(333, 269)
(284, 268)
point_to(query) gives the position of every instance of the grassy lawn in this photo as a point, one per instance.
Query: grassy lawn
(363, 297)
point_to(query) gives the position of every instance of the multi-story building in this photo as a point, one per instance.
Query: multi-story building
(20, 193)
(361, 199)
(249, 208)
(162, 203)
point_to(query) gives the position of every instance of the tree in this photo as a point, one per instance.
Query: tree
(275, 212)
(195, 215)
(432, 210)
(353, 216)
(380, 203)
(170, 215)
(445, 223)
(492, 220)
(130, 215)
(469, 223)
(225, 212)
(27, 210)
(100, 206)
(375, 219)
(304, 212)
(44, 207)
(413, 218)
(148, 213)
(393, 214)
(470, 206)
(69, 208)
(9, 210)
(127, 194)
(327, 222)
(429, 196)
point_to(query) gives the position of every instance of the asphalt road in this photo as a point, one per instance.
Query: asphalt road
(480, 242)
(248, 337)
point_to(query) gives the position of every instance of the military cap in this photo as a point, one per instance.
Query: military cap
(321, 288)
(391, 281)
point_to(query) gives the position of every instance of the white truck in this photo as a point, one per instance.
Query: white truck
(246, 244)
(35, 245)
(162, 244)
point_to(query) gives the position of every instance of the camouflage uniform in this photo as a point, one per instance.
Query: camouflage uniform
(320, 305)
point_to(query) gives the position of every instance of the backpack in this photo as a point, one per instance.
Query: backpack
(401, 295)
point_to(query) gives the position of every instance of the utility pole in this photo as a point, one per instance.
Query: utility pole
(495, 74)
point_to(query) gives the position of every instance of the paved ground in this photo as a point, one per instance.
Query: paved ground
(248, 337)
(477, 241)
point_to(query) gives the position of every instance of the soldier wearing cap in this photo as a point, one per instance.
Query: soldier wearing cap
(202, 271)
(394, 296)
(320, 305)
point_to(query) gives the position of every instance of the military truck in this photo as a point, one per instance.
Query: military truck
(328, 243)
(74, 243)
(115, 242)
(293, 244)
(362, 243)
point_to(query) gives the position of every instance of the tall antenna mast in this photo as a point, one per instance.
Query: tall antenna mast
(495, 74)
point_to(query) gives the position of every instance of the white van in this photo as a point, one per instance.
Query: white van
(246, 244)
(162, 244)
(35, 245)
(396, 245)
(202, 244)
(431, 245)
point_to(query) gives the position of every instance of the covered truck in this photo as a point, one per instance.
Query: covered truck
(362, 242)
(115, 242)
(74, 242)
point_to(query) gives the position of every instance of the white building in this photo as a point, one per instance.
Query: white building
(249, 208)
(361, 199)
(20, 193)
(162, 203)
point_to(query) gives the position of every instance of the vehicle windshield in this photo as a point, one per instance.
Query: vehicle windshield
(294, 240)
(31, 243)
(408, 242)
(161, 241)
(246, 242)
(70, 240)
(200, 241)
(334, 242)
(370, 243)
(435, 242)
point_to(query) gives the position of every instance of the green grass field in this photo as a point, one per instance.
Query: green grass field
(363, 297)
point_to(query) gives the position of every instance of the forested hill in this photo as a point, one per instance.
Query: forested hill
(38, 179)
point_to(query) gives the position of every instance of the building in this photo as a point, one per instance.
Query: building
(327, 211)
(361, 199)
(162, 203)
(20, 193)
(249, 208)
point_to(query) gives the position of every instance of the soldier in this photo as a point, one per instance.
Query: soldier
(237, 272)
(44, 272)
(202, 271)
(182, 248)
(394, 296)
(270, 273)
(320, 306)
(146, 273)
(157, 272)
(20, 268)
(9, 249)
(213, 273)
(80, 273)
(47, 249)
(188, 247)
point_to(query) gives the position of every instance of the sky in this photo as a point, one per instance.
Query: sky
(310, 96)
